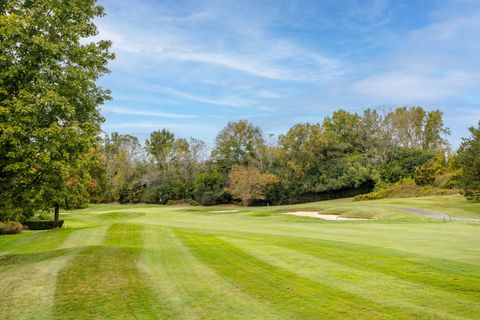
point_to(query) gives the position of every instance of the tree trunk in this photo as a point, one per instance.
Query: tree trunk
(56, 215)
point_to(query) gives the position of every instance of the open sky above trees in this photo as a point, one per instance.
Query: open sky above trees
(192, 66)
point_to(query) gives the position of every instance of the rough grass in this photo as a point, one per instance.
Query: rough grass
(160, 262)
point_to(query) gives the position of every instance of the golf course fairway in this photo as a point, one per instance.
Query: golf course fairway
(185, 262)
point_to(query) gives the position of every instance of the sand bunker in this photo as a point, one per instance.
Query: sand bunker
(312, 214)
(224, 211)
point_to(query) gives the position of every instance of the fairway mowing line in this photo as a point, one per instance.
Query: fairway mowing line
(377, 287)
(454, 276)
(104, 282)
(295, 296)
(85, 237)
(37, 281)
(192, 289)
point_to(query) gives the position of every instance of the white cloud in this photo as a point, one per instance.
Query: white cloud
(224, 101)
(412, 86)
(149, 126)
(129, 111)
(432, 64)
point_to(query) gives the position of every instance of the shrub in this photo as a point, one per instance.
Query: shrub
(177, 202)
(405, 188)
(42, 224)
(209, 188)
(10, 227)
(449, 180)
(41, 216)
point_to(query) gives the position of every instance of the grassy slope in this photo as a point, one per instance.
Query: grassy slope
(150, 262)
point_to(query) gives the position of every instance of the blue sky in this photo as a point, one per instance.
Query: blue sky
(192, 66)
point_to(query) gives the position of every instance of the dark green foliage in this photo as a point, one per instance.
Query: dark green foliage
(403, 163)
(469, 158)
(428, 172)
(208, 187)
(159, 193)
(42, 224)
(10, 227)
(49, 116)
(239, 143)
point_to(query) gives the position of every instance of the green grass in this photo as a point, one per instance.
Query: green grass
(180, 262)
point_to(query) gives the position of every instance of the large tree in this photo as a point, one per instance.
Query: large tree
(49, 99)
(239, 143)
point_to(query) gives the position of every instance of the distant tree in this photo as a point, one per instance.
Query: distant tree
(247, 183)
(239, 143)
(345, 128)
(160, 145)
(208, 187)
(427, 173)
(403, 163)
(469, 159)
(416, 128)
(434, 132)
(49, 116)
(124, 165)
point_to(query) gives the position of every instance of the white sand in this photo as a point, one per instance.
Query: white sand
(312, 214)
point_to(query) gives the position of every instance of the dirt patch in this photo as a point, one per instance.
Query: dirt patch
(334, 217)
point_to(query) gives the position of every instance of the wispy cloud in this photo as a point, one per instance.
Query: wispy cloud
(286, 61)
(411, 86)
(136, 112)
(225, 101)
(149, 126)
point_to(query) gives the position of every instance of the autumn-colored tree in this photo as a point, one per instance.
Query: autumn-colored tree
(247, 183)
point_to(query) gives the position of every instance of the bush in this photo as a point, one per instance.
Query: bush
(41, 216)
(449, 180)
(209, 188)
(10, 227)
(177, 202)
(405, 188)
(42, 224)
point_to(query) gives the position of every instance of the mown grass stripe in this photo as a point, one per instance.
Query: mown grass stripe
(193, 290)
(456, 276)
(424, 301)
(30, 274)
(103, 282)
(295, 296)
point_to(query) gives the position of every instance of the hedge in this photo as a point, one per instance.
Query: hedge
(42, 224)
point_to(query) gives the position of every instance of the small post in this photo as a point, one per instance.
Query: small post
(56, 215)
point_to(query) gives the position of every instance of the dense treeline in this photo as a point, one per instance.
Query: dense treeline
(52, 155)
(345, 155)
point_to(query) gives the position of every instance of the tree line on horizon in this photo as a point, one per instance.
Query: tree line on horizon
(345, 155)
(53, 154)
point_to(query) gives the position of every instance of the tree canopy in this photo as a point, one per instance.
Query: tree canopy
(49, 116)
